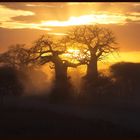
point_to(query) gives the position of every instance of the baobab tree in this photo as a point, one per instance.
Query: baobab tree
(47, 49)
(96, 41)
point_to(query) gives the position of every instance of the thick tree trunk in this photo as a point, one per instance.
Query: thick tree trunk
(60, 70)
(62, 87)
(92, 69)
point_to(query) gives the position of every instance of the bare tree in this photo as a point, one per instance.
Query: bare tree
(97, 42)
(47, 49)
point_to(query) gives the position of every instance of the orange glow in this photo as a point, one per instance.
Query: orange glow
(57, 18)
(74, 16)
(71, 55)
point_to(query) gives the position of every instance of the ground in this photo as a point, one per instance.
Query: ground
(36, 117)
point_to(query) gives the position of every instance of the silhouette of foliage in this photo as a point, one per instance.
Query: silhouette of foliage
(126, 71)
(127, 77)
(17, 56)
(9, 81)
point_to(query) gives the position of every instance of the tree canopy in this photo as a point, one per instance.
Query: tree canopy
(96, 42)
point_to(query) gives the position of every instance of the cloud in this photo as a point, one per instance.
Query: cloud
(6, 13)
(48, 15)
(58, 34)
(92, 19)
(42, 11)
(6, 20)
(50, 5)
(56, 18)
(132, 21)
(60, 11)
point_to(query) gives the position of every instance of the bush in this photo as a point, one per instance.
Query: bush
(9, 81)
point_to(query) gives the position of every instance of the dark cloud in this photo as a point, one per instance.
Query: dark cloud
(38, 17)
(15, 5)
(128, 20)
(43, 11)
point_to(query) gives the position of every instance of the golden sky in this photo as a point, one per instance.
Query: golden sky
(25, 21)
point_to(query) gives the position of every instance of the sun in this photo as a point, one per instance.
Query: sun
(74, 55)
(73, 52)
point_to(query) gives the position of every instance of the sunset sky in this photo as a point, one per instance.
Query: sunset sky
(25, 22)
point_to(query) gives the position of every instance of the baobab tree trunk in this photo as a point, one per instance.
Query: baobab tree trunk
(92, 69)
(60, 69)
(62, 87)
(60, 72)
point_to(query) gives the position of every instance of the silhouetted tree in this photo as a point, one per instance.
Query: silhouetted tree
(96, 42)
(47, 49)
(126, 76)
(17, 56)
(10, 84)
(126, 70)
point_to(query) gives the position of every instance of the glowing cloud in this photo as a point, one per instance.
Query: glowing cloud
(61, 34)
(94, 17)
(91, 19)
